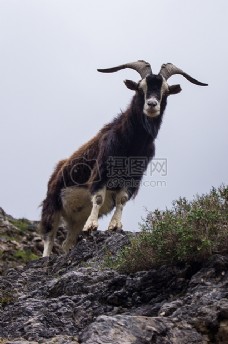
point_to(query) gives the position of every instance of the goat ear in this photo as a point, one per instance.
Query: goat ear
(174, 89)
(131, 85)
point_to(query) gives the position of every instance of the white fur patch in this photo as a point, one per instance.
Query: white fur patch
(165, 87)
(143, 85)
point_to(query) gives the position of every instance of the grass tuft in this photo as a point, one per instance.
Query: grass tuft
(25, 255)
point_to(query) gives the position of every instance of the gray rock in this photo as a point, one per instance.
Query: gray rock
(63, 298)
(139, 330)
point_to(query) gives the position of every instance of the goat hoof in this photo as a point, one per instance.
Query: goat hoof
(114, 225)
(90, 226)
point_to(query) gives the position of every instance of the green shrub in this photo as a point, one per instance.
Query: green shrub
(190, 231)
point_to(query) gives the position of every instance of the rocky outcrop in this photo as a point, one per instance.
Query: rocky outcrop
(20, 242)
(73, 298)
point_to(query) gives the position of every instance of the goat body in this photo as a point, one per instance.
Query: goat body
(106, 171)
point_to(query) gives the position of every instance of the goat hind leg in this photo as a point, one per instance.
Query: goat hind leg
(73, 231)
(49, 237)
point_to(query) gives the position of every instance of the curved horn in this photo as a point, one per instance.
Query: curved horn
(142, 67)
(168, 69)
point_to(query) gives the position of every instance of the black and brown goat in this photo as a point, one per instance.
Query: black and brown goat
(106, 171)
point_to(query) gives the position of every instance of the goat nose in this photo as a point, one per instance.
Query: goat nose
(152, 102)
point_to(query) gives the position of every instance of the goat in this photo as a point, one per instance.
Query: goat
(84, 186)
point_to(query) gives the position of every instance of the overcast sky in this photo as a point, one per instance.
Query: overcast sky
(52, 99)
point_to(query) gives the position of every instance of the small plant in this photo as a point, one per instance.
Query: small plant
(190, 231)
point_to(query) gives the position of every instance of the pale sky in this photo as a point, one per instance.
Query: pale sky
(52, 99)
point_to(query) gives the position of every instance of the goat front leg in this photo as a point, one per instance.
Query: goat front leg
(97, 201)
(121, 200)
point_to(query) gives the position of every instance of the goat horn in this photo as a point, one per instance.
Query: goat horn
(168, 69)
(142, 67)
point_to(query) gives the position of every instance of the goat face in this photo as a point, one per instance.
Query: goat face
(153, 88)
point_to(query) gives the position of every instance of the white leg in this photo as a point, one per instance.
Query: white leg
(121, 200)
(97, 200)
